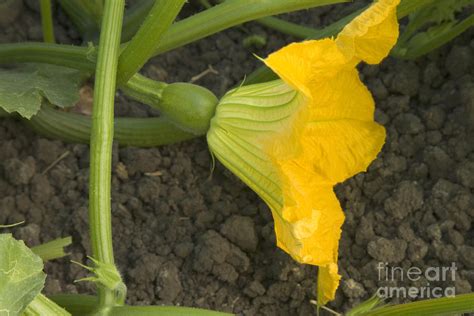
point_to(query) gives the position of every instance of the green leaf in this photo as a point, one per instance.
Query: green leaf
(432, 26)
(456, 305)
(366, 306)
(24, 88)
(21, 275)
(436, 36)
(442, 11)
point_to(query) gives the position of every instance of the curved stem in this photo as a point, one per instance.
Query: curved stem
(226, 15)
(148, 37)
(139, 132)
(47, 21)
(56, 54)
(101, 141)
(277, 24)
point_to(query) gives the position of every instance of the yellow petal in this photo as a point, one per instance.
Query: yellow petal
(342, 149)
(372, 34)
(368, 37)
(328, 282)
(308, 226)
(335, 135)
(300, 64)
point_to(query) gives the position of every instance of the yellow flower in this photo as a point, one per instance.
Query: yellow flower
(292, 140)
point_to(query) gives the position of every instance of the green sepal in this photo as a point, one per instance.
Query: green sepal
(106, 274)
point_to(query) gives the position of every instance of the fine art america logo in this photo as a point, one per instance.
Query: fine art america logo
(430, 279)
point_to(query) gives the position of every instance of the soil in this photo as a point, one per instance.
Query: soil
(186, 236)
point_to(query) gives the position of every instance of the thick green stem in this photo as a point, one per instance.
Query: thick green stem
(62, 55)
(277, 24)
(226, 15)
(101, 140)
(147, 39)
(139, 132)
(47, 21)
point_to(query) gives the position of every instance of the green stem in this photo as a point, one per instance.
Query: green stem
(101, 140)
(134, 18)
(139, 132)
(226, 15)
(53, 249)
(47, 21)
(286, 27)
(147, 39)
(164, 311)
(41, 305)
(62, 55)
(216, 19)
(76, 304)
(85, 304)
(144, 90)
(276, 24)
(81, 17)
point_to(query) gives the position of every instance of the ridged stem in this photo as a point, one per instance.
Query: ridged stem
(102, 131)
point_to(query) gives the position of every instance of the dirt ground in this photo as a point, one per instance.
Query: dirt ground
(186, 236)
